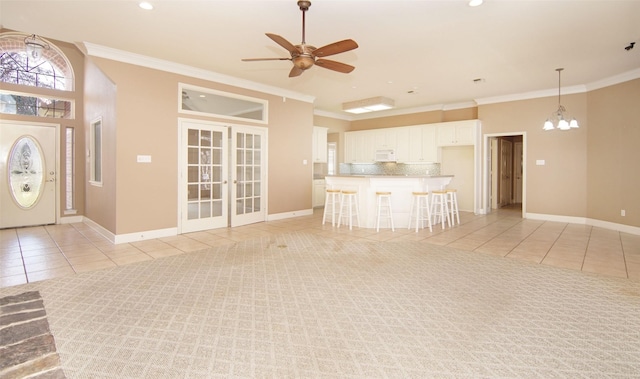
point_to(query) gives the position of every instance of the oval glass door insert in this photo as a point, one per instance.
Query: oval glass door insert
(26, 176)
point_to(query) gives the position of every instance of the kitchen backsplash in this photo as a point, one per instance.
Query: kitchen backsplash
(389, 169)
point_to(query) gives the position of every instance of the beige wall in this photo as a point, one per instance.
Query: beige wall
(100, 104)
(560, 186)
(416, 119)
(613, 153)
(145, 111)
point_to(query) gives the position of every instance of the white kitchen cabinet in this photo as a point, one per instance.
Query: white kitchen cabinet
(319, 190)
(385, 139)
(422, 144)
(458, 133)
(319, 148)
(403, 142)
(359, 146)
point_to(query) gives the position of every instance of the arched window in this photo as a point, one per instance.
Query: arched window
(43, 67)
(48, 68)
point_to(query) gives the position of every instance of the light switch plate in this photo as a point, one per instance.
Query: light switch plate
(540, 162)
(144, 158)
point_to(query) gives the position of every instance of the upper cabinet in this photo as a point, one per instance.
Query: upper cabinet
(412, 144)
(422, 144)
(359, 147)
(319, 148)
(457, 133)
(385, 139)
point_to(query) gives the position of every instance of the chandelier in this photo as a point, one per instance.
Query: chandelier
(558, 119)
(34, 47)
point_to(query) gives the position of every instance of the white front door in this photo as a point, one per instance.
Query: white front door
(27, 174)
(248, 159)
(203, 189)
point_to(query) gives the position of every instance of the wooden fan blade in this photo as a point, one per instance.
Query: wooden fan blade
(295, 71)
(335, 48)
(335, 66)
(265, 59)
(283, 42)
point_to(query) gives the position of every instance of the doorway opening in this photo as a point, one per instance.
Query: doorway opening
(505, 173)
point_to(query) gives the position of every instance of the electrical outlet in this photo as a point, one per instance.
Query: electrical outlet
(623, 213)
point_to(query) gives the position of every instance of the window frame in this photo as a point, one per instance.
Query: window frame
(232, 96)
(95, 152)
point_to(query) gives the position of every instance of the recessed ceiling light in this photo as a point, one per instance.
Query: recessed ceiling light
(145, 5)
(475, 3)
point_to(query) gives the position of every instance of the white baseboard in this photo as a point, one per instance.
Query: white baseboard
(131, 237)
(71, 219)
(585, 221)
(146, 235)
(285, 215)
(612, 225)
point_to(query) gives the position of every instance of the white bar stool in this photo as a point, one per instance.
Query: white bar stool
(420, 205)
(331, 206)
(452, 203)
(349, 208)
(384, 209)
(439, 208)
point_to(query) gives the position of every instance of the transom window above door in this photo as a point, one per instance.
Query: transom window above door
(208, 102)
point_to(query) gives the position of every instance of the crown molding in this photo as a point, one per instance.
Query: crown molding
(531, 95)
(180, 69)
(613, 80)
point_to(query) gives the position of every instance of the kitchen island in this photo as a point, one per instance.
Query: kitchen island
(400, 186)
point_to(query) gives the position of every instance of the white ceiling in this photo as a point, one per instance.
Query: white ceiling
(434, 49)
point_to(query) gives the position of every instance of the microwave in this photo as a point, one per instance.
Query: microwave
(385, 156)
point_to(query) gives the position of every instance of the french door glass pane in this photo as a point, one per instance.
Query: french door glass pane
(205, 138)
(192, 137)
(204, 173)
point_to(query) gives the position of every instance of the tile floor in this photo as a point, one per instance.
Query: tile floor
(43, 252)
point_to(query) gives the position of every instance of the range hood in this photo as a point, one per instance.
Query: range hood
(385, 156)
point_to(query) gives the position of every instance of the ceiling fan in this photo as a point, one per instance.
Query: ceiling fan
(305, 56)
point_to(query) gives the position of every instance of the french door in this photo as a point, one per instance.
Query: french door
(203, 188)
(28, 169)
(249, 185)
(210, 197)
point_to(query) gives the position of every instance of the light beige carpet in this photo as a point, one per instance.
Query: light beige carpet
(303, 306)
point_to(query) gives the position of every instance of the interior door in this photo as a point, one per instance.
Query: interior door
(249, 175)
(204, 199)
(517, 171)
(506, 169)
(27, 174)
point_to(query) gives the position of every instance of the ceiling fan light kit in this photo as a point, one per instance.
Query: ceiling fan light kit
(305, 56)
(558, 119)
(373, 104)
